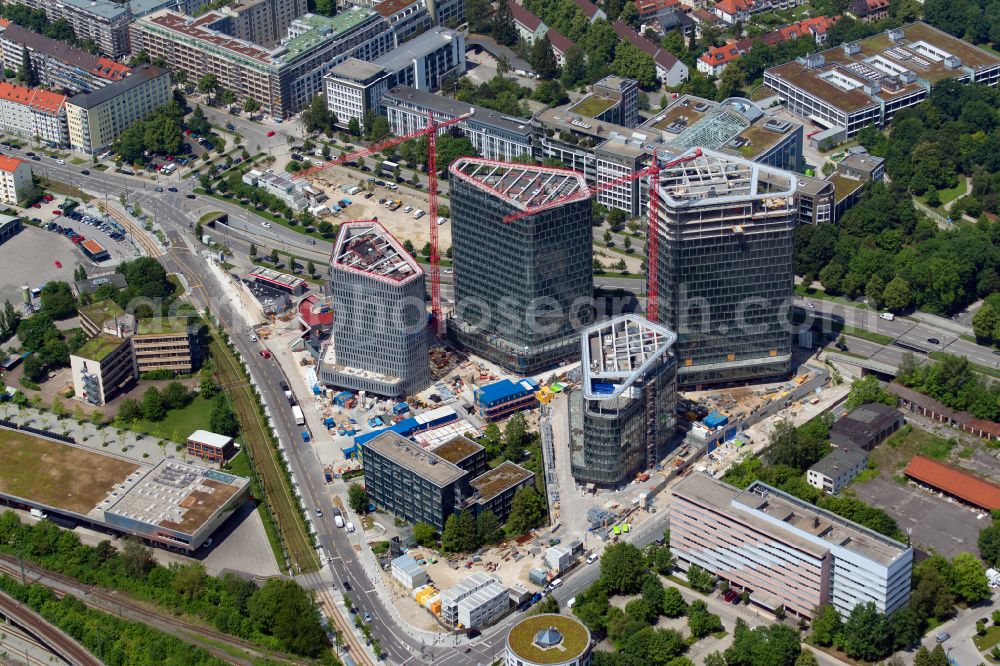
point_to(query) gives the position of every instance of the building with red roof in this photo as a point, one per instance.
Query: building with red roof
(671, 71)
(817, 28)
(717, 58)
(650, 8)
(957, 483)
(869, 11)
(590, 10)
(15, 180)
(31, 112)
(560, 45)
(529, 26)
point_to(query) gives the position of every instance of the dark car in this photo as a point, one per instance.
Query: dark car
(85, 172)
(171, 189)
(30, 154)
(191, 196)
(933, 341)
(347, 585)
(36, 158)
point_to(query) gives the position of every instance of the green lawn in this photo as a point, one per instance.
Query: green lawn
(991, 638)
(78, 160)
(819, 294)
(947, 195)
(179, 423)
(877, 338)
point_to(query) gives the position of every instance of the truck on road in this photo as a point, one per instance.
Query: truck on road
(300, 419)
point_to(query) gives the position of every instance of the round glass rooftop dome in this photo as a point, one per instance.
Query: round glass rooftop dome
(547, 638)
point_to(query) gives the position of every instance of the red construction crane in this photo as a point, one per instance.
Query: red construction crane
(432, 213)
(652, 231)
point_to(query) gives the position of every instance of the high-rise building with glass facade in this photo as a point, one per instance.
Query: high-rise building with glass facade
(522, 289)
(726, 268)
(379, 341)
(623, 415)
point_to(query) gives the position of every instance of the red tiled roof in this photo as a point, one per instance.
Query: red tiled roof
(704, 16)
(587, 7)
(523, 16)
(984, 425)
(313, 314)
(661, 56)
(875, 5)
(109, 69)
(723, 55)
(813, 26)
(955, 482)
(389, 7)
(4, 23)
(733, 7)
(647, 7)
(560, 42)
(9, 164)
(40, 100)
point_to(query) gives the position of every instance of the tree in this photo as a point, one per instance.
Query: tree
(986, 323)
(492, 440)
(925, 657)
(574, 66)
(641, 610)
(222, 420)
(488, 528)
(129, 410)
(673, 603)
(897, 295)
(357, 498)
(700, 579)
(774, 645)
(654, 647)
(27, 72)
(502, 27)
(58, 300)
(632, 63)
(874, 290)
(450, 539)
(175, 395)
(253, 251)
(867, 634)
(479, 14)
(208, 84)
(153, 408)
(826, 626)
(137, 560)
(700, 621)
(353, 126)
(528, 511)
(989, 544)
(622, 567)
(274, 256)
(251, 105)
(869, 389)
(424, 534)
(513, 437)
(732, 80)
(806, 658)
(467, 540)
(970, 578)
(189, 579)
(547, 605)
(630, 15)
(543, 59)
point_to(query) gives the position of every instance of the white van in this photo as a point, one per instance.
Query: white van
(570, 603)
(38, 513)
(338, 521)
(888, 316)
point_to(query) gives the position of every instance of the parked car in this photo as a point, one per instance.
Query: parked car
(270, 134)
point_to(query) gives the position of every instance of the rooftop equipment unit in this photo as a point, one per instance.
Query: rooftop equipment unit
(852, 48)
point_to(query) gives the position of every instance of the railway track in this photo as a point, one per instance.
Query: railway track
(51, 636)
(115, 603)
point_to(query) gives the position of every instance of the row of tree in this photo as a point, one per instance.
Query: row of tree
(9, 321)
(953, 382)
(280, 615)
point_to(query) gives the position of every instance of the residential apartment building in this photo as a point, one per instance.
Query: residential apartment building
(868, 11)
(424, 61)
(354, 88)
(59, 66)
(529, 27)
(408, 18)
(263, 22)
(504, 270)
(103, 21)
(784, 551)
(96, 119)
(623, 416)
(864, 83)
(32, 113)
(715, 60)
(836, 469)
(560, 45)
(15, 180)
(379, 341)
(725, 269)
(671, 71)
(283, 79)
(495, 136)
(102, 368)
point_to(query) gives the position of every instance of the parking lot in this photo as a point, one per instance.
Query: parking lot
(936, 523)
(30, 258)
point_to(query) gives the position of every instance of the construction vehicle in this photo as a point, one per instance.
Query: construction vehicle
(431, 132)
(652, 253)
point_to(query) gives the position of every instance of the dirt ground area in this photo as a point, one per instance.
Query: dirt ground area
(401, 225)
(443, 575)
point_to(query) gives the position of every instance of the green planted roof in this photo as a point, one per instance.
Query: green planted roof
(99, 347)
(169, 325)
(101, 311)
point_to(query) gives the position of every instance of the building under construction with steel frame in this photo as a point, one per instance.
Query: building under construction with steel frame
(522, 289)
(623, 414)
(726, 268)
(379, 341)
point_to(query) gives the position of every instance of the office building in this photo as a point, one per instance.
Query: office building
(865, 426)
(96, 119)
(864, 83)
(428, 485)
(33, 112)
(354, 88)
(379, 341)
(277, 281)
(281, 185)
(613, 100)
(210, 446)
(474, 602)
(58, 65)
(165, 343)
(424, 61)
(93, 317)
(523, 288)
(102, 368)
(263, 22)
(836, 469)
(784, 551)
(623, 416)
(725, 273)
(408, 573)
(548, 640)
(283, 79)
(103, 21)
(15, 180)
(501, 399)
(495, 136)
(446, 13)
(408, 18)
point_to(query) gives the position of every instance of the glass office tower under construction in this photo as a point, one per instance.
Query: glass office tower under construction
(726, 268)
(522, 287)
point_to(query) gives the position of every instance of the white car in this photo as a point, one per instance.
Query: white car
(266, 225)
(593, 558)
(407, 209)
(448, 271)
(60, 161)
(253, 338)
